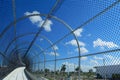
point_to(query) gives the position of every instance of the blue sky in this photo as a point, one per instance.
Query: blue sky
(99, 35)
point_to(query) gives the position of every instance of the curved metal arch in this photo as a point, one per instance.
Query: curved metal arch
(101, 13)
(45, 15)
(35, 55)
(20, 19)
(20, 49)
(50, 44)
(14, 49)
(69, 27)
(39, 48)
(27, 35)
(29, 58)
(26, 48)
(11, 55)
(42, 49)
(6, 58)
(14, 40)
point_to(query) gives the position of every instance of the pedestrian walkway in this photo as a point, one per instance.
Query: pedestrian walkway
(17, 74)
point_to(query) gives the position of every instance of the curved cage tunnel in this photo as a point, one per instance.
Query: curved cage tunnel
(59, 39)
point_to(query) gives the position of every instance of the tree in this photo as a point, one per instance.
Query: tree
(99, 76)
(77, 69)
(90, 71)
(47, 70)
(63, 68)
(57, 72)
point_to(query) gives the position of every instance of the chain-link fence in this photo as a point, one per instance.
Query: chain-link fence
(73, 40)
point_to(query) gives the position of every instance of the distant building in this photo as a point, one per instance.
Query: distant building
(107, 71)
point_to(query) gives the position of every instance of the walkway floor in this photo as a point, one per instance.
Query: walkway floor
(17, 74)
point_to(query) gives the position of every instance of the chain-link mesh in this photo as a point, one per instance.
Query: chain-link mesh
(60, 39)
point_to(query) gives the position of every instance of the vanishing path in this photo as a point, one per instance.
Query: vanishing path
(17, 74)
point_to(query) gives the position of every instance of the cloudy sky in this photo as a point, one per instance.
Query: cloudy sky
(101, 34)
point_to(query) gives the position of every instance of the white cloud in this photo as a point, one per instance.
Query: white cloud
(83, 58)
(82, 45)
(53, 54)
(109, 56)
(34, 19)
(78, 32)
(55, 47)
(98, 58)
(111, 60)
(100, 43)
(94, 62)
(82, 50)
(70, 66)
(47, 25)
(50, 67)
(86, 68)
(108, 60)
(37, 20)
(74, 43)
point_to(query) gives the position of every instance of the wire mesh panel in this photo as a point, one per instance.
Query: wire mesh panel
(60, 39)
